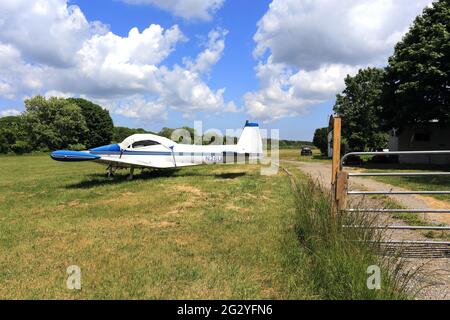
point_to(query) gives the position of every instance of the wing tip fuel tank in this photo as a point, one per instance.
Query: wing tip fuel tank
(73, 156)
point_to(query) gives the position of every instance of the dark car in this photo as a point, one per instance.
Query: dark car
(306, 151)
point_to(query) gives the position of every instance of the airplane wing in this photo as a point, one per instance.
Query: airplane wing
(78, 156)
(133, 163)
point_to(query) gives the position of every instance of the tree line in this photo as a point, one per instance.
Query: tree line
(55, 123)
(411, 91)
(78, 124)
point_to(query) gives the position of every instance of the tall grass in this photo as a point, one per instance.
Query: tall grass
(338, 256)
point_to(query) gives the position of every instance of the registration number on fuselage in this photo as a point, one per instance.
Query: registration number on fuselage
(213, 159)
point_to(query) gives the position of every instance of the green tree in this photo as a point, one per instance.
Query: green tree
(4, 145)
(167, 133)
(320, 140)
(417, 81)
(13, 137)
(121, 133)
(98, 121)
(359, 106)
(54, 123)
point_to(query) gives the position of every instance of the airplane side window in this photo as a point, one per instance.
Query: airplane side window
(145, 143)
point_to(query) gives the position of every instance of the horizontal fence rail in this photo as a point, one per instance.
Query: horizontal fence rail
(417, 249)
(394, 174)
(437, 228)
(414, 247)
(443, 211)
(396, 192)
(425, 243)
(394, 153)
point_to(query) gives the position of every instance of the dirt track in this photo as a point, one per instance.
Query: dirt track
(436, 271)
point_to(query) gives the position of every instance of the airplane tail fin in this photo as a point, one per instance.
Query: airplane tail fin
(250, 140)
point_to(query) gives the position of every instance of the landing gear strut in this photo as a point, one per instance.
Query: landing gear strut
(111, 171)
(130, 176)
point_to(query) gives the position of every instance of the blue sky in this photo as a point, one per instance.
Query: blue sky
(280, 63)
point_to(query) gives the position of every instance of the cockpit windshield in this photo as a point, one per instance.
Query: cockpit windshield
(144, 143)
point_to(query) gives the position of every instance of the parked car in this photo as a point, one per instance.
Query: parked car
(306, 151)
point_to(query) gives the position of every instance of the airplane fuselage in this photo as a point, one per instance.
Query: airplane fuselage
(152, 151)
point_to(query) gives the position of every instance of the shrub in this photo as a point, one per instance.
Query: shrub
(21, 147)
(76, 147)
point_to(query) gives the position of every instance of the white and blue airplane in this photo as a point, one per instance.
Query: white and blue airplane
(141, 151)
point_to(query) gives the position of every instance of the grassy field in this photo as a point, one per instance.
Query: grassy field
(203, 232)
(294, 154)
(223, 232)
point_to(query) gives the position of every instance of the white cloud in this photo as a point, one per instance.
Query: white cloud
(212, 54)
(139, 108)
(313, 45)
(126, 72)
(321, 83)
(308, 33)
(285, 93)
(184, 91)
(148, 47)
(57, 94)
(116, 66)
(187, 9)
(231, 107)
(9, 112)
(46, 31)
(16, 75)
(180, 88)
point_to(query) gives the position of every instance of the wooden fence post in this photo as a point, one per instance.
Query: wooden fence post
(336, 162)
(336, 148)
(341, 191)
